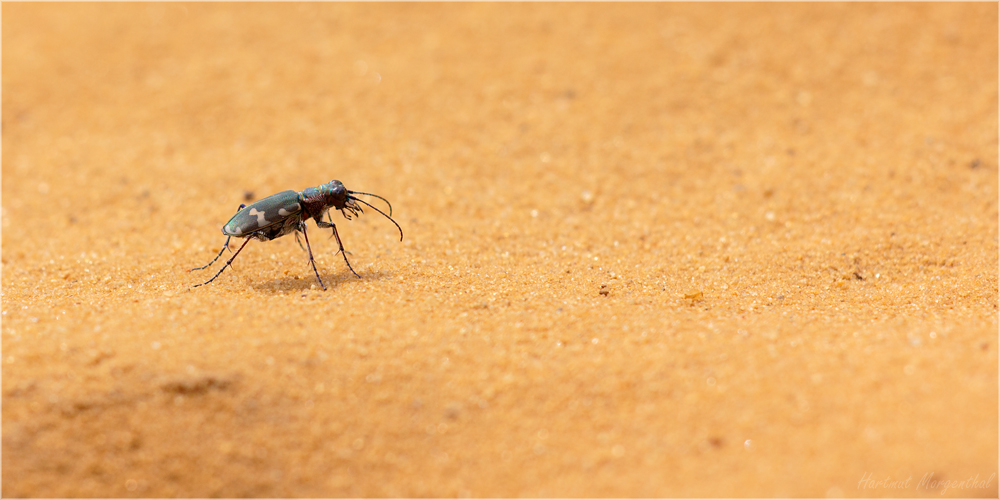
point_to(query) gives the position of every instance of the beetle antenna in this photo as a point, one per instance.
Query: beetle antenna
(381, 212)
(379, 197)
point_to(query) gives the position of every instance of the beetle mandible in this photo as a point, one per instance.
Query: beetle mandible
(287, 212)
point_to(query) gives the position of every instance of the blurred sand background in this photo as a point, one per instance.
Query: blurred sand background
(650, 250)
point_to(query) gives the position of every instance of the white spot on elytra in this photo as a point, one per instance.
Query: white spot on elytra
(282, 212)
(261, 221)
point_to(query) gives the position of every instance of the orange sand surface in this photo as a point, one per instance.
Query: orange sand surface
(650, 250)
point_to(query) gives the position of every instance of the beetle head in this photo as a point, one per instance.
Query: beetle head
(337, 196)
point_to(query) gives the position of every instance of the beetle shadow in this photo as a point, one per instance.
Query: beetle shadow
(306, 283)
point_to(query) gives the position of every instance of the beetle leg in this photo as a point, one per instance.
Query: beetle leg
(225, 246)
(228, 262)
(302, 227)
(321, 224)
(342, 251)
(333, 226)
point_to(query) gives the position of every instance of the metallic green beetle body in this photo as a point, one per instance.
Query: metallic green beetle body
(287, 212)
(277, 209)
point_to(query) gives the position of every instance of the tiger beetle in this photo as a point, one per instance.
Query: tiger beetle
(287, 212)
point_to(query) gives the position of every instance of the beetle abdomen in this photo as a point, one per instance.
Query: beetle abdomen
(264, 213)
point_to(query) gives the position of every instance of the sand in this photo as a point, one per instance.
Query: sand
(649, 250)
